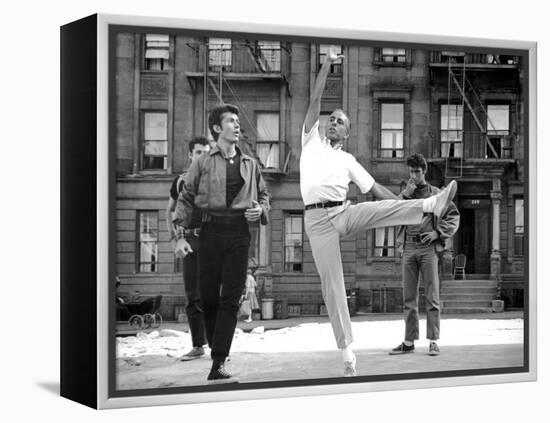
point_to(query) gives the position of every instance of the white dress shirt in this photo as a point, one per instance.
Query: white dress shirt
(325, 172)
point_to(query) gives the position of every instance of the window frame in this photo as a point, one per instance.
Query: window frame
(381, 149)
(500, 138)
(336, 68)
(166, 62)
(166, 163)
(452, 145)
(139, 242)
(518, 235)
(226, 55)
(289, 215)
(274, 142)
(392, 247)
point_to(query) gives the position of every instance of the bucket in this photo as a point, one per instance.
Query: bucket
(281, 309)
(267, 308)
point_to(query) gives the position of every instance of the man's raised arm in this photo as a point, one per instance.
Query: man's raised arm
(314, 109)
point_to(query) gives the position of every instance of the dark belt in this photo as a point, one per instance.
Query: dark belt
(414, 238)
(324, 205)
(224, 220)
(192, 232)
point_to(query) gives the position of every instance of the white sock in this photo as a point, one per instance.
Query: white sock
(347, 353)
(428, 205)
(408, 343)
(432, 341)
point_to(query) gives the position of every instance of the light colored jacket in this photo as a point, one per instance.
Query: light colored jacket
(446, 225)
(204, 187)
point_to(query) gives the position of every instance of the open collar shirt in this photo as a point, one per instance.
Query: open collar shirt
(326, 171)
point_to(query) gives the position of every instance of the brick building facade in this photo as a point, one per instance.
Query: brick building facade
(464, 111)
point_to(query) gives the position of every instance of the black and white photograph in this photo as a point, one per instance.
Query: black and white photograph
(297, 211)
(275, 211)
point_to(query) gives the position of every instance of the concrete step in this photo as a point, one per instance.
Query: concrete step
(467, 304)
(467, 296)
(466, 310)
(469, 283)
(467, 290)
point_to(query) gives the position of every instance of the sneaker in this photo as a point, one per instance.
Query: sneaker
(434, 349)
(443, 198)
(220, 375)
(196, 352)
(402, 349)
(349, 367)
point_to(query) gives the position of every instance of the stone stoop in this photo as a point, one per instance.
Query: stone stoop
(467, 296)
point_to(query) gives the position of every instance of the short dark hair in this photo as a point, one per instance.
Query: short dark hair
(417, 160)
(198, 140)
(216, 114)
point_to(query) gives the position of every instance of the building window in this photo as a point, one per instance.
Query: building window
(155, 140)
(519, 235)
(393, 55)
(451, 130)
(267, 145)
(293, 242)
(219, 53)
(148, 241)
(392, 128)
(337, 66)
(268, 54)
(452, 57)
(157, 52)
(384, 242)
(498, 130)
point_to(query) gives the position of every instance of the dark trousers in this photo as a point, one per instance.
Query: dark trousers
(191, 282)
(420, 259)
(223, 262)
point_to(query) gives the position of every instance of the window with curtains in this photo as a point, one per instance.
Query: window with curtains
(148, 237)
(268, 54)
(498, 130)
(391, 129)
(519, 234)
(157, 52)
(219, 54)
(384, 242)
(451, 130)
(267, 144)
(393, 55)
(155, 140)
(294, 242)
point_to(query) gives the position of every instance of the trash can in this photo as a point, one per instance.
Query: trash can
(267, 308)
(281, 309)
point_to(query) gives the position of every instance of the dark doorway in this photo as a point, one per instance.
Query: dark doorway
(472, 239)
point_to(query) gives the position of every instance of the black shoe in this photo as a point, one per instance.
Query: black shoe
(196, 352)
(434, 349)
(402, 349)
(220, 375)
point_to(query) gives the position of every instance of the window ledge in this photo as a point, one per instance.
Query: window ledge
(388, 159)
(391, 64)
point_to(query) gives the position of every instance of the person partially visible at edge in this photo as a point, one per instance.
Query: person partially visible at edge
(325, 173)
(197, 146)
(421, 245)
(227, 186)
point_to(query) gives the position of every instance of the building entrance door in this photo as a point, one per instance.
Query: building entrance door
(473, 237)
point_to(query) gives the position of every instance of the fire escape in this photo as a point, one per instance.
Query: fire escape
(459, 85)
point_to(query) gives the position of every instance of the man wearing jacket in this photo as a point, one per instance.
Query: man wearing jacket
(421, 245)
(228, 188)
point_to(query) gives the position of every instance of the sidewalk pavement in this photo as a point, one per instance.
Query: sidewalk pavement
(258, 358)
(123, 329)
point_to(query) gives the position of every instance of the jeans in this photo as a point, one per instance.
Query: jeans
(420, 259)
(191, 282)
(223, 262)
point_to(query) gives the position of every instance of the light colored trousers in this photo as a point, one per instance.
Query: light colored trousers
(324, 228)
